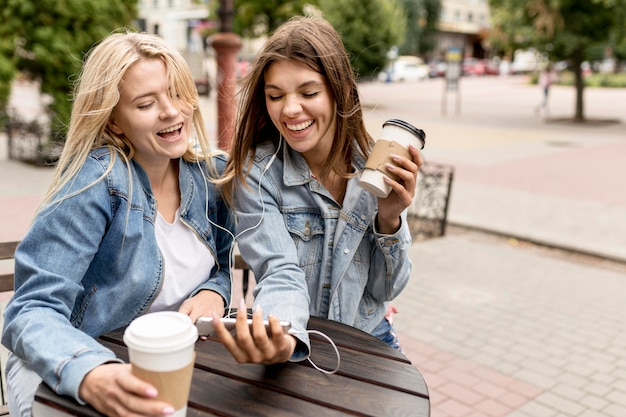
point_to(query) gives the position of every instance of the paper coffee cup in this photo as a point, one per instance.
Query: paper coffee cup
(395, 138)
(161, 349)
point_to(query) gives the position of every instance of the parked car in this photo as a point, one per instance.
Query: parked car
(475, 66)
(405, 68)
(437, 68)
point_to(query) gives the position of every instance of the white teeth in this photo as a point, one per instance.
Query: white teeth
(172, 129)
(300, 126)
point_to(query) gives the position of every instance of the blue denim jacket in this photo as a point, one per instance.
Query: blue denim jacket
(91, 264)
(285, 236)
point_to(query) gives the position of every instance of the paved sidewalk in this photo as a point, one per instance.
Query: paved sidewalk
(498, 327)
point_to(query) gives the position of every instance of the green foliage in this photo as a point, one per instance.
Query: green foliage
(368, 29)
(254, 18)
(564, 29)
(46, 40)
(595, 80)
(421, 29)
(560, 28)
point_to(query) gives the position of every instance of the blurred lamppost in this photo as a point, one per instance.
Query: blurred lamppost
(227, 45)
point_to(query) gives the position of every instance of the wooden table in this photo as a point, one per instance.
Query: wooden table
(373, 380)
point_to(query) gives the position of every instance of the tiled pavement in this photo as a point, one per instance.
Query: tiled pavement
(498, 327)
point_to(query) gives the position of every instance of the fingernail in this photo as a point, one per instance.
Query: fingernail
(394, 156)
(391, 167)
(242, 304)
(151, 392)
(167, 411)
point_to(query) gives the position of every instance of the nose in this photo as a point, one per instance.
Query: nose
(292, 106)
(168, 109)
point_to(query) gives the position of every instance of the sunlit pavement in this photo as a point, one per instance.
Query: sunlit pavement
(496, 326)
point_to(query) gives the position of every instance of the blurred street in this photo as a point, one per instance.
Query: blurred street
(519, 310)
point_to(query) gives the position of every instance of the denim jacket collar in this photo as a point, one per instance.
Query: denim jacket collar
(297, 171)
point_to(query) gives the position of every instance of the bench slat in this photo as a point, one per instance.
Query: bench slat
(7, 249)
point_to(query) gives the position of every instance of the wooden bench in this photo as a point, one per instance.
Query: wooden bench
(7, 252)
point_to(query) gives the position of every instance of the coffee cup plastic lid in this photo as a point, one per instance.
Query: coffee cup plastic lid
(161, 331)
(407, 126)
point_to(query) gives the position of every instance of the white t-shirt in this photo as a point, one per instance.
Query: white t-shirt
(187, 262)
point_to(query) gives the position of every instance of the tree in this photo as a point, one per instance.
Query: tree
(254, 18)
(565, 29)
(421, 28)
(45, 40)
(368, 28)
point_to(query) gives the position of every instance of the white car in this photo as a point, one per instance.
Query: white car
(405, 68)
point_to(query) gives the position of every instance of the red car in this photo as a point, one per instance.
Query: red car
(475, 66)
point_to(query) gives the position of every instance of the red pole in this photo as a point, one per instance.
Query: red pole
(227, 46)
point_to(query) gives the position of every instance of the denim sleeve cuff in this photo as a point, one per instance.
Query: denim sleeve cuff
(212, 286)
(301, 352)
(75, 370)
(393, 235)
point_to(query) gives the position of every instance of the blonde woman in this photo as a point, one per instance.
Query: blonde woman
(132, 223)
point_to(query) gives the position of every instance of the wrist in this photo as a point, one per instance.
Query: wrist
(387, 226)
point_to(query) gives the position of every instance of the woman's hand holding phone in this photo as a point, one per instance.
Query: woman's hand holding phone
(252, 343)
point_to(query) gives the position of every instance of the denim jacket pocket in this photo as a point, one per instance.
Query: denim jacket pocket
(307, 232)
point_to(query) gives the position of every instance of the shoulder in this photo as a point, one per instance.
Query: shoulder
(266, 156)
(220, 159)
(265, 152)
(215, 164)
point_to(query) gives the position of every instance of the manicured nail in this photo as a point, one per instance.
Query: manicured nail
(151, 392)
(168, 411)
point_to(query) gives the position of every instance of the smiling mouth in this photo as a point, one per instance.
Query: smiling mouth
(300, 126)
(171, 131)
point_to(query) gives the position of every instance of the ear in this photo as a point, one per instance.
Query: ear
(114, 127)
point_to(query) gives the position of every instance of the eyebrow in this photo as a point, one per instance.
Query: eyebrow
(303, 85)
(141, 96)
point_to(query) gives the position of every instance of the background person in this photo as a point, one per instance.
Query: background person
(131, 224)
(546, 79)
(318, 243)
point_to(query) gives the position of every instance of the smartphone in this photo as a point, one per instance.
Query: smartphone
(205, 325)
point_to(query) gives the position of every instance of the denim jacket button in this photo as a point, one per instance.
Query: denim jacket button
(307, 230)
(346, 250)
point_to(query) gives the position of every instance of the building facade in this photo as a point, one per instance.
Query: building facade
(464, 25)
(176, 21)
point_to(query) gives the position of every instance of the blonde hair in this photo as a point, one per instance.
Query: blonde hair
(97, 92)
(314, 42)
